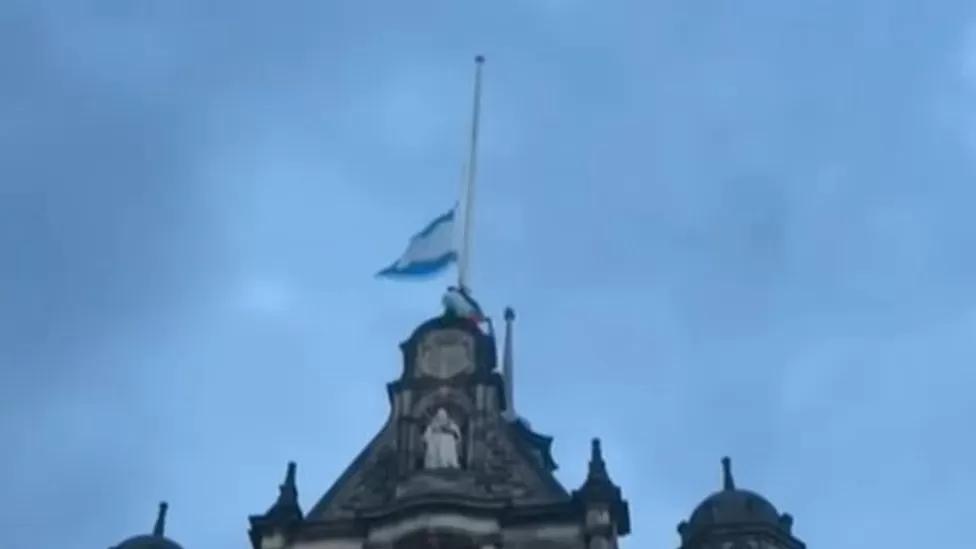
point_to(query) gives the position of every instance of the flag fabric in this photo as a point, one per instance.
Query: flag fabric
(429, 252)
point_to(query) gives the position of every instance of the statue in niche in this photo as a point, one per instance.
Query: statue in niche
(442, 439)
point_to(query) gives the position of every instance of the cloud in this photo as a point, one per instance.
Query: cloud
(727, 229)
(101, 215)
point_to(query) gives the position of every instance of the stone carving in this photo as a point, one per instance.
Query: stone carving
(445, 397)
(500, 470)
(426, 483)
(445, 354)
(480, 462)
(442, 439)
(375, 482)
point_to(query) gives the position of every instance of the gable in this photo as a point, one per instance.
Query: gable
(513, 470)
(446, 441)
(500, 469)
(367, 481)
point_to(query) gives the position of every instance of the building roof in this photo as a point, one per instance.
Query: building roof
(148, 541)
(505, 467)
(156, 540)
(733, 508)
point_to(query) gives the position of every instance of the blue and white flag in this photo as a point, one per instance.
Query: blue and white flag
(429, 252)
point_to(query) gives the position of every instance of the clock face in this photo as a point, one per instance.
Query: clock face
(445, 354)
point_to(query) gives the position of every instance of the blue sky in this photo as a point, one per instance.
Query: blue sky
(737, 228)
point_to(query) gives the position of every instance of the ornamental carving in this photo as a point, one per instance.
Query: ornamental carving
(375, 482)
(444, 354)
(501, 471)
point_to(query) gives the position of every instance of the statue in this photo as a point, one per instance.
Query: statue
(442, 438)
(458, 302)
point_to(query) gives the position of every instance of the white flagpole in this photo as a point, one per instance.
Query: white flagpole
(464, 259)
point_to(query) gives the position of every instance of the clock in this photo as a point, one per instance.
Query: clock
(444, 354)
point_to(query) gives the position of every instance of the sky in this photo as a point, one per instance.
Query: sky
(727, 228)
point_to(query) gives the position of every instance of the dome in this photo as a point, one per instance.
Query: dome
(156, 540)
(732, 507)
(148, 542)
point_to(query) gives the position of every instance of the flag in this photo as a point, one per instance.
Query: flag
(429, 252)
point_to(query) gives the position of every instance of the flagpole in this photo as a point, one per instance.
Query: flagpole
(464, 258)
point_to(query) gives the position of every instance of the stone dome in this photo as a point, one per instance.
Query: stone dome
(733, 507)
(148, 541)
(156, 540)
(730, 507)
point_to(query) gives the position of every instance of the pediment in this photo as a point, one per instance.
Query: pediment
(500, 471)
(367, 482)
(512, 471)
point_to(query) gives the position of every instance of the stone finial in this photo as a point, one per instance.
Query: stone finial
(508, 365)
(288, 490)
(597, 473)
(598, 491)
(159, 529)
(289, 485)
(786, 522)
(286, 508)
(683, 530)
(728, 483)
(596, 452)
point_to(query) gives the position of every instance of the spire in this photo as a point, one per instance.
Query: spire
(159, 529)
(508, 365)
(283, 515)
(598, 486)
(599, 490)
(286, 507)
(598, 467)
(289, 490)
(728, 483)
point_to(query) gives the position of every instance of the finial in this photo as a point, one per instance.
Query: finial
(286, 508)
(290, 475)
(786, 521)
(728, 483)
(159, 530)
(508, 365)
(288, 491)
(479, 59)
(596, 452)
(598, 468)
(597, 487)
(683, 530)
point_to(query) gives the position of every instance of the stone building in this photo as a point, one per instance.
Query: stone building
(454, 467)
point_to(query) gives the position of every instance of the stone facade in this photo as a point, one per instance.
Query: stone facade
(496, 488)
(454, 467)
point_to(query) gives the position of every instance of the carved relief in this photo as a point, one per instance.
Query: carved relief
(501, 471)
(443, 397)
(492, 467)
(445, 353)
(375, 483)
